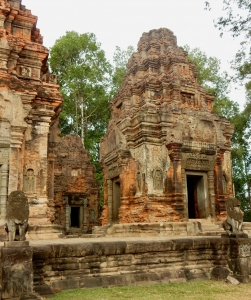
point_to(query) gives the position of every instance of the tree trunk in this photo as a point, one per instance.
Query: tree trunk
(76, 108)
(82, 120)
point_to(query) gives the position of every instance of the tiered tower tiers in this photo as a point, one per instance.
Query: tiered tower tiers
(55, 173)
(29, 104)
(166, 154)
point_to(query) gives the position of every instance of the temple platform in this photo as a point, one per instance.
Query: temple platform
(61, 264)
(190, 228)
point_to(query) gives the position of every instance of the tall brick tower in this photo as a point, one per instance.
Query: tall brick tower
(29, 105)
(166, 154)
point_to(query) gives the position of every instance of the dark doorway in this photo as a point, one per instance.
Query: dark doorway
(116, 201)
(196, 197)
(75, 214)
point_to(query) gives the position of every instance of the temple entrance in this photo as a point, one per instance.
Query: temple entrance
(197, 196)
(75, 217)
(116, 201)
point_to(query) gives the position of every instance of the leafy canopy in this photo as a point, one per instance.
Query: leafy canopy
(120, 59)
(214, 81)
(83, 74)
(236, 19)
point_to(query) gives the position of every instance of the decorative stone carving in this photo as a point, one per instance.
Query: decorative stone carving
(244, 250)
(4, 155)
(17, 215)
(29, 181)
(158, 179)
(138, 182)
(197, 162)
(49, 78)
(233, 223)
(92, 217)
(113, 170)
(25, 71)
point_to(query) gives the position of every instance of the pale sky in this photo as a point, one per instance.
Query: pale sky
(122, 22)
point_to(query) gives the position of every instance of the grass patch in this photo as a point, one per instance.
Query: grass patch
(196, 290)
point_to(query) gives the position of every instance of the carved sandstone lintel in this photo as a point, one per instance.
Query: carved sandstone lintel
(112, 171)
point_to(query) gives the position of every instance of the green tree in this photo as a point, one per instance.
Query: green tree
(120, 59)
(236, 19)
(217, 83)
(241, 156)
(214, 81)
(83, 74)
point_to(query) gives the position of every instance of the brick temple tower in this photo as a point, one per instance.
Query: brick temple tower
(29, 104)
(166, 154)
(33, 157)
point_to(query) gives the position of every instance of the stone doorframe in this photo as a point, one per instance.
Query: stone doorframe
(111, 198)
(83, 213)
(205, 190)
(208, 177)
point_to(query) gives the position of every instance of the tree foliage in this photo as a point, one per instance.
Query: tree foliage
(120, 59)
(236, 19)
(241, 156)
(214, 81)
(83, 74)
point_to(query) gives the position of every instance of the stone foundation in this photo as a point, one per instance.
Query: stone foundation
(113, 262)
(17, 270)
(150, 229)
(61, 264)
(44, 232)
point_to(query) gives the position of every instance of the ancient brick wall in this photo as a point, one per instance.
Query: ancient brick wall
(75, 186)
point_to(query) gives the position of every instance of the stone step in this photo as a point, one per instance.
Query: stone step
(72, 236)
(210, 233)
(43, 291)
(97, 235)
(211, 227)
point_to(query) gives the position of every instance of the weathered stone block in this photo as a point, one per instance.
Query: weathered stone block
(66, 284)
(17, 272)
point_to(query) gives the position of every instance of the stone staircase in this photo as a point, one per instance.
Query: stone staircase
(198, 227)
(209, 228)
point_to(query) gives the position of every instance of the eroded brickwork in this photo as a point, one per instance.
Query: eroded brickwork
(166, 154)
(76, 191)
(30, 103)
